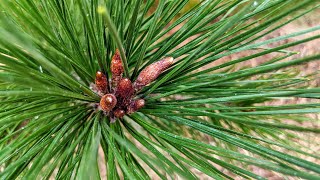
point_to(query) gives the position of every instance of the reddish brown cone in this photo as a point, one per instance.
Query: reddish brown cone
(101, 82)
(136, 105)
(108, 102)
(151, 72)
(119, 113)
(125, 89)
(116, 68)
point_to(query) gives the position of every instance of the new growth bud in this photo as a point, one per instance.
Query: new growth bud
(119, 113)
(151, 72)
(136, 105)
(120, 99)
(125, 89)
(108, 102)
(101, 82)
(116, 68)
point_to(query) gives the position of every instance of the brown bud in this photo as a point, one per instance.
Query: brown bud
(125, 89)
(119, 113)
(151, 72)
(116, 64)
(116, 68)
(101, 82)
(108, 102)
(139, 103)
(136, 105)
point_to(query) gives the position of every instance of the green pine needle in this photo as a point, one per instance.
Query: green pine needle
(201, 114)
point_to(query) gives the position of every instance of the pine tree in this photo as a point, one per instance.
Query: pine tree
(138, 89)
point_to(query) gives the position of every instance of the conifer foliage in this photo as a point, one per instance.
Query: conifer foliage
(164, 106)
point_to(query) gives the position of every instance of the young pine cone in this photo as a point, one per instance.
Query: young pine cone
(125, 90)
(135, 105)
(119, 113)
(151, 72)
(101, 82)
(116, 68)
(108, 102)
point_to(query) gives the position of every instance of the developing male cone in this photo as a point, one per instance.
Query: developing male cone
(108, 102)
(116, 68)
(151, 72)
(101, 82)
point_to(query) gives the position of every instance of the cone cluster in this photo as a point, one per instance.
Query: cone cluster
(118, 97)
